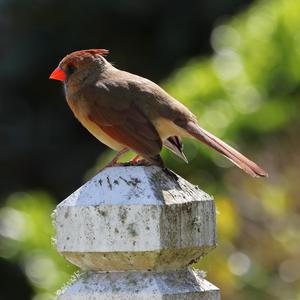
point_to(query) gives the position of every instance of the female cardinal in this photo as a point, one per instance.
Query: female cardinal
(126, 111)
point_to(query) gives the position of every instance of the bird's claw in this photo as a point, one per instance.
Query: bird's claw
(141, 162)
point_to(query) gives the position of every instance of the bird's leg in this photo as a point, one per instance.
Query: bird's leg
(114, 161)
(138, 161)
(135, 159)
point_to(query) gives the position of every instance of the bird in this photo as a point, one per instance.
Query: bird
(128, 112)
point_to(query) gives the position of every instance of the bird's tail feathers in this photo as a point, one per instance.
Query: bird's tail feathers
(233, 155)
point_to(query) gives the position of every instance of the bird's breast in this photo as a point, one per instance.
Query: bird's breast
(81, 112)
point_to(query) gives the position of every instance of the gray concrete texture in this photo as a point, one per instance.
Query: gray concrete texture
(135, 230)
(182, 285)
(135, 218)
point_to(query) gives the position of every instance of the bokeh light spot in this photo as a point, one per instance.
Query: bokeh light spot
(227, 63)
(225, 36)
(12, 223)
(289, 270)
(239, 263)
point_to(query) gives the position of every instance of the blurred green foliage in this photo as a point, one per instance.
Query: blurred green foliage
(26, 234)
(250, 87)
(247, 92)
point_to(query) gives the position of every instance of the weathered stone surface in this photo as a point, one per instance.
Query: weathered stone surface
(177, 285)
(135, 218)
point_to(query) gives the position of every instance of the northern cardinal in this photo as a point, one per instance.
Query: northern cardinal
(126, 111)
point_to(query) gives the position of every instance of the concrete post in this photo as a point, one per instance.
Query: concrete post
(134, 231)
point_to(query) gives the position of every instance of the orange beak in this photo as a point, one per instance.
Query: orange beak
(58, 74)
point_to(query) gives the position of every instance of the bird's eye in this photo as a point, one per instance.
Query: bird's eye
(70, 69)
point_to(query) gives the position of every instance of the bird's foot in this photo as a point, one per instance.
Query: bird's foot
(139, 162)
(135, 159)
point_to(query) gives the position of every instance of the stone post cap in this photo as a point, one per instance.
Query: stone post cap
(135, 218)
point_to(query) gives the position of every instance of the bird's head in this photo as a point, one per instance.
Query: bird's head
(79, 65)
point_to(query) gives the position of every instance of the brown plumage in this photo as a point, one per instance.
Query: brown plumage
(124, 110)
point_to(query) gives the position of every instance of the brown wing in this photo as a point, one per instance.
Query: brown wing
(112, 109)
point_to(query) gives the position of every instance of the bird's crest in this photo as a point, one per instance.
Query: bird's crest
(102, 52)
(84, 53)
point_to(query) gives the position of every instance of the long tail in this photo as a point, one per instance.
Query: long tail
(237, 158)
